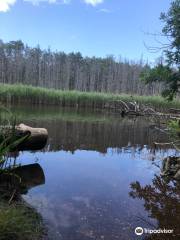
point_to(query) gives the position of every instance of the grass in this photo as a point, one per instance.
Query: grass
(19, 222)
(18, 93)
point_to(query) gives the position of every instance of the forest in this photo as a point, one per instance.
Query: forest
(89, 141)
(22, 64)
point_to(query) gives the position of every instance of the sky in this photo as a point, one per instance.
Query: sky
(92, 27)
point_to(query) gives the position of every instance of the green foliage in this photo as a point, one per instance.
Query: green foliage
(158, 73)
(19, 222)
(7, 145)
(174, 127)
(172, 31)
(8, 139)
(163, 73)
(168, 73)
(174, 131)
(42, 96)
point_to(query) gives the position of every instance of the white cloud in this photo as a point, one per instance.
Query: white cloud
(105, 10)
(5, 5)
(93, 2)
(37, 2)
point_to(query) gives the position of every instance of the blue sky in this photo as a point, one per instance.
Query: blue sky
(93, 27)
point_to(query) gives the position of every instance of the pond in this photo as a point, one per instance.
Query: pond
(102, 176)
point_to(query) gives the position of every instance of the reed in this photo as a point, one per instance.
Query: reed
(18, 93)
(17, 220)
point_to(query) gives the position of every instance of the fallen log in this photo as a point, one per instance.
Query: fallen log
(37, 137)
(171, 168)
(131, 113)
(174, 110)
(32, 138)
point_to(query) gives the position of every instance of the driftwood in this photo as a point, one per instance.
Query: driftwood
(174, 110)
(32, 138)
(171, 168)
(132, 108)
(37, 137)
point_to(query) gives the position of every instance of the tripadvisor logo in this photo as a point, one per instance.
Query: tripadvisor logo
(139, 231)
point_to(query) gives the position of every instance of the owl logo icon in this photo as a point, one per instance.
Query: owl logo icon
(139, 231)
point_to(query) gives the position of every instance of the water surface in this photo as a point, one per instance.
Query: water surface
(102, 176)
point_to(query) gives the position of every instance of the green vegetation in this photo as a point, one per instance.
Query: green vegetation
(7, 136)
(174, 127)
(19, 222)
(35, 95)
(8, 139)
(169, 71)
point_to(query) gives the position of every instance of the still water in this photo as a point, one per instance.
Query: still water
(102, 176)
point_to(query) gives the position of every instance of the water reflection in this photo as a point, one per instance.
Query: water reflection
(86, 195)
(72, 136)
(82, 129)
(162, 201)
(20, 179)
(89, 164)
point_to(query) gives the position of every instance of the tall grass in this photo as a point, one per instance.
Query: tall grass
(9, 140)
(18, 221)
(18, 93)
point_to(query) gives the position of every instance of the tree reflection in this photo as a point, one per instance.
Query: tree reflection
(162, 201)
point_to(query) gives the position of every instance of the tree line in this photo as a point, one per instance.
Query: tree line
(20, 63)
(167, 71)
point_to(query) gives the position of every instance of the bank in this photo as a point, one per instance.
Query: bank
(18, 93)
